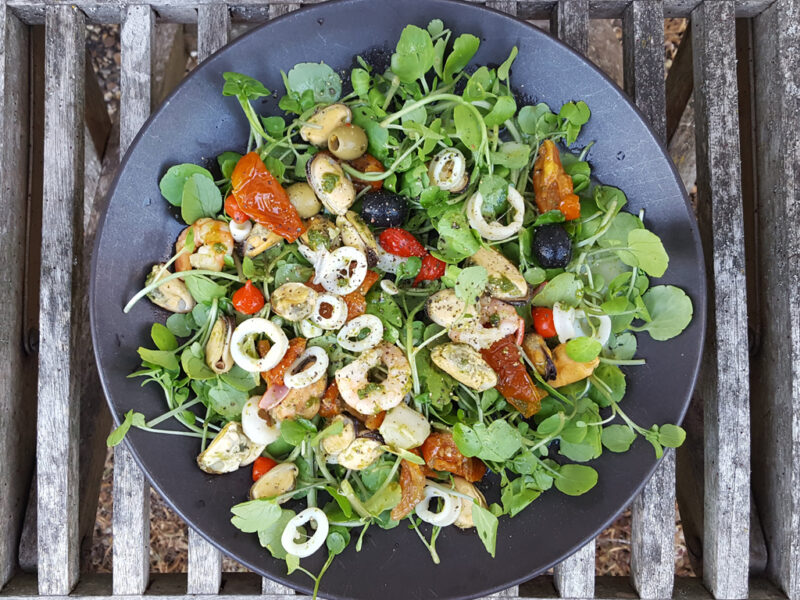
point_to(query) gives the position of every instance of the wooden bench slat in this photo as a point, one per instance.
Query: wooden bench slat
(131, 520)
(653, 511)
(62, 236)
(776, 410)
(213, 29)
(724, 380)
(17, 412)
(569, 21)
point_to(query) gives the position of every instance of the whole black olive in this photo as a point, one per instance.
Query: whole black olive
(552, 246)
(382, 208)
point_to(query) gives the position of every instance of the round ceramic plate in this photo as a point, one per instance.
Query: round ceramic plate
(196, 123)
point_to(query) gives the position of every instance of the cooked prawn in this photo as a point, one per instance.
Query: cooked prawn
(496, 320)
(371, 397)
(212, 243)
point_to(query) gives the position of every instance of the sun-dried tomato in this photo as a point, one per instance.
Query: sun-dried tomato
(442, 454)
(552, 185)
(374, 421)
(275, 375)
(366, 163)
(513, 380)
(432, 268)
(412, 486)
(262, 198)
(331, 404)
(401, 243)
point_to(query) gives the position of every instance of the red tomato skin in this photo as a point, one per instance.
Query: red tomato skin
(234, 212)
(401, 243)
(261, 466)
(543, 321)
(432, 269)
(248, 300)
(366, 163)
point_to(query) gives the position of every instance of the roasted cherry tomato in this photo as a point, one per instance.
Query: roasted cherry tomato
(432, 268)
(366, 163)
(543, 321)
(261, 466)
(412, 487)
(262, 198)
(275, 375)
(233, 211)
(248, 300)
(401, 243)
(552, 185)
(513, 380)
(442, 454)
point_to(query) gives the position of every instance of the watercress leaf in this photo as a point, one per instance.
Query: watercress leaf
(468, 128)
(293, 432)
(464, 48)
(434, 201)
(383, 306)
(162, 358)
(516, 495)
(503, 109)
(408, 269)
(499, 441)
(503, 69)
(479, 84)
(255, 515)
(116, 436)
(181, 324)
(513, 155)
(171, 184)
(486, 524)
(378, 136)
(227, 162)
(611, 387)
(439, 48)
(670, 311)
(576, 113)
(534, 275)
(551, 424)
(583, 349)
(618, 438)
(574, 480)
(344, 503)
(200, 198)
(292, 563)
(621, 347)
(618, 231)
(609, 199)
(243, 86)
(532, 119)
(274, 125)
(414, 54)
(646, 251)
(494, 190)
(337, 540)
(671, 436)
(564, 288)
(270, 536)
(226, 400)
(194, 366)
(240, 379)
(359, 79)
(455, 231)
(466, 440)
(435, 27)
(203, 289)
(470, 283)
(292, 272)
(163, 337)
(324, 83)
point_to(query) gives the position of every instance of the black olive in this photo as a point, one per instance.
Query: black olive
(552, 246)
(384, 209)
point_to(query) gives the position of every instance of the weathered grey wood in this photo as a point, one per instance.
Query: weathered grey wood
(506, 6)
(277, 10)
(180, 11)
(204, 570)
(679, 83)
(62, 235)
(213, 29)
(574, 576)
(570, 22)
(776, 410)
(131, 519)
(653, 511)
(724, 381)
(682, 147)
(17, 430)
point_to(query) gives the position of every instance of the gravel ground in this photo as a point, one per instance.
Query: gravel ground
(168, 533)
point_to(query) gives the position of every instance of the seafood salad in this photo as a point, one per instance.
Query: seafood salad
(401, 283)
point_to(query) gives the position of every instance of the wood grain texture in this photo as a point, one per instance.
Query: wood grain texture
(574, 576)
(277, 10)
(204, 569)
(680, 83)
(776, 408)
(62, 236)
(131, 520)
(213, 29)
(724, 380)
(653, 511)
(569, 21)
(17, 429)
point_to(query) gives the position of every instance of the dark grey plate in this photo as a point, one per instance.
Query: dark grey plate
(196, 123)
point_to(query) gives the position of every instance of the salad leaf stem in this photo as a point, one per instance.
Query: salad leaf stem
(388, 172)
(196, 273)
(171, 413)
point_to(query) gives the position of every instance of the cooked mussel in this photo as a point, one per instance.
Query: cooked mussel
(218, 346)
(172, 295)
(279, 480)
(228, 451)
(293, 301)
(505, 280)
(465, 520)
(334, 444)
(384, 209)
(362, 452)
(260, 240)
(539, 354)
(355, 233)
(465, 365)
(444, 307)
(319, 126)
(329, 182)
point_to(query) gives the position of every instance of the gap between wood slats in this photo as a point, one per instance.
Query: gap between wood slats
(177, 11)
(653, 510)
(62, 235)
(131, 519)
(723, 383)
